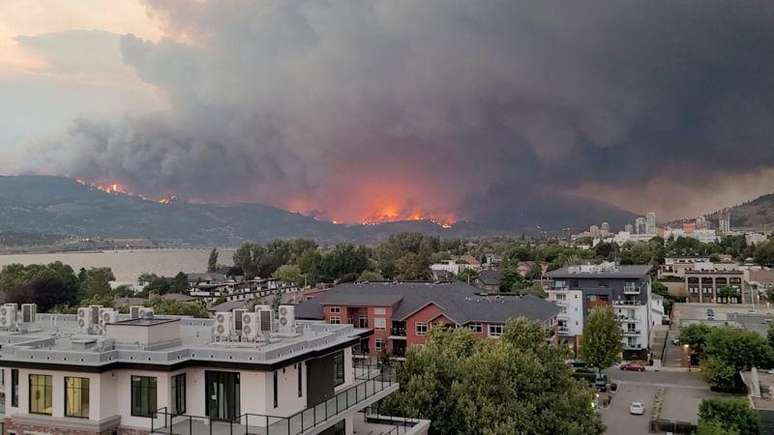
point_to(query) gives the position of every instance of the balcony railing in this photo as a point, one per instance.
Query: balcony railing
(398, 332)
(631, 332)
(562, 330)
(626, 302)
(373, 381)
(631, 290)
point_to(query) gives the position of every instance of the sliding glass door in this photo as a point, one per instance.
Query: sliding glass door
(222, 390)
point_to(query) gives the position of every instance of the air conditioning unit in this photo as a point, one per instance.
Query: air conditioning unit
(287, 319)
(250, 327)
(265, 321)
(84, 319)
(8, 316)
(259, 308)
(107, 315)
(29, 311)
(135, 311)
(222, 327)
(237, 317)
(94, 314)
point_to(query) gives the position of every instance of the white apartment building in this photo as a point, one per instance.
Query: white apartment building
(240, 373)
(578, 289)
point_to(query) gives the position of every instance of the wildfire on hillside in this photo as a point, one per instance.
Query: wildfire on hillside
(121, 189)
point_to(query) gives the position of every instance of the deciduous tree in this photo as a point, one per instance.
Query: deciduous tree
(601, 343)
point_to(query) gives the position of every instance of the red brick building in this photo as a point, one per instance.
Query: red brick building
(401, 314)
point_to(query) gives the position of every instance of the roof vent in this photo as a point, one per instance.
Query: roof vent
(147, 315)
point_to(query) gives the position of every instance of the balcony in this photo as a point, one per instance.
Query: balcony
(626, 302)
(375, 383)
(563, 330)
(628, 319)
(631, 332)
(397, 333)
(631, 290)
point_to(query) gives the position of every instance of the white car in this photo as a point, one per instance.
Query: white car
(637, 408)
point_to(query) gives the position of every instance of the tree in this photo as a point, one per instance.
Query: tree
(739, 348)
(770, 335)
(212, 261)
(289, 274)
(511, 279)
(195, 309)
(309, 263)
(714, 428)
(764, 253)
(535, 289)
(727, 293)
(369, 276)
(734, 414)
(719, 374)
(45, 285)
(468, 275)
(601, 343)
(180, 283)
(695, 336)
(535, 272)
(412, 267)
(517, 384)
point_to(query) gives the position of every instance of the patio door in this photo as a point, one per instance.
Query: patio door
(222, 391)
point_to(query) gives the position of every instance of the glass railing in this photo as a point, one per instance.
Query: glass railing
(370, 381)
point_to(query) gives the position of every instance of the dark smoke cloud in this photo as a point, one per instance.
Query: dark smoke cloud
(454, 106)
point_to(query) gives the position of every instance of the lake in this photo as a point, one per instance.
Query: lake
(128, 265)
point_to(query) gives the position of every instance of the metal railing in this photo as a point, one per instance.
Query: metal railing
(399, 425)
(373, 380)
(398, 332)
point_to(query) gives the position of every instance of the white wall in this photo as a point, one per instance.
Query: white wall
(58, 391)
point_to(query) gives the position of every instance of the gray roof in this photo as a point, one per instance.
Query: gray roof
(178, 297)
(490, 276)
(228, 306)
(632, 272)
(460, 302)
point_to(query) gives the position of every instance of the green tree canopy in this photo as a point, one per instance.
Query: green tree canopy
(45, 285)
(289, 274)
(731, 414)
(517, 384)
(601, 343)
(695, 336)
(212, 261)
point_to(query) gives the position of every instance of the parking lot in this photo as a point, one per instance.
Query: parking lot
(682, 394)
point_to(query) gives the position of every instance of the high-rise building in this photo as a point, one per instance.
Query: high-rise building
(594, 230)
(701, 223)
(650, 227)
(605, 228)
(628, 228)
(639, 225)
(724, 222)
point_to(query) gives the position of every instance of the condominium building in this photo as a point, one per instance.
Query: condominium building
(715, 283)
(650, 225)
(241, 373)
(401, 314)
(675, 267)
(640, 226)
(627, 289)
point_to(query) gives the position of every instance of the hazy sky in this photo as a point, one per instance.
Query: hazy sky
(355, 110)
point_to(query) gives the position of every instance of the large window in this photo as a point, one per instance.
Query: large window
(178, 394)
(143, 396)
(15, 388)
(76, 397)
(41, 394)
(335, 320)
(338, 369)
(475, 327)
(495, 330)
(380, 323)
(421, 328)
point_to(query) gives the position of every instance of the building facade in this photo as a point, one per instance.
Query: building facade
(626, 289)
(186, 376)
(401, 314)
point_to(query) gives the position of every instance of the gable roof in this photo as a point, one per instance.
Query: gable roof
(490, 276)
(456, 300)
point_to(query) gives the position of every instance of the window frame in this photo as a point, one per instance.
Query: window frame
(175, 393)
(337, 320)
(377, 321)
(334, 310)
(476, 327)
(85, 395)
(48, 392)
(495, 326)
(424, 326)
(339, 371)
(379, 344)
(145, 390)
(14, 388)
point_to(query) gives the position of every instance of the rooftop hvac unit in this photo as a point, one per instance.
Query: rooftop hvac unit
(135, 311)
(287, 319)
(237, 317)
(259, 308)
(84, 318)
(29, 311)
(94, 314)
(8, 316)
(222, 327)
(265, 320)
(250, 326)
(107, 315)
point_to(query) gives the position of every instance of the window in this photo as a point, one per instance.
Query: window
(41, 394)
(420, 328)
(380, 311)
(143, 396)
(300, 380)
(362, 322)
(76, 397)
(495, 330)
(178, 394)
(475, 327)
(379, 344)
(15, 388)
(338, 369)
(276, 389)
(561, 297)
(334, 320)
(380, 323)
(335, 310)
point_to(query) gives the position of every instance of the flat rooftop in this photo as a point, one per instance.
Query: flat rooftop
(55, 340)
(602, 271)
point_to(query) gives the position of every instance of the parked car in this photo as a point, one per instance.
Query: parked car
(710, 313)
(637, 408)
(676, 341)
(633, 367)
